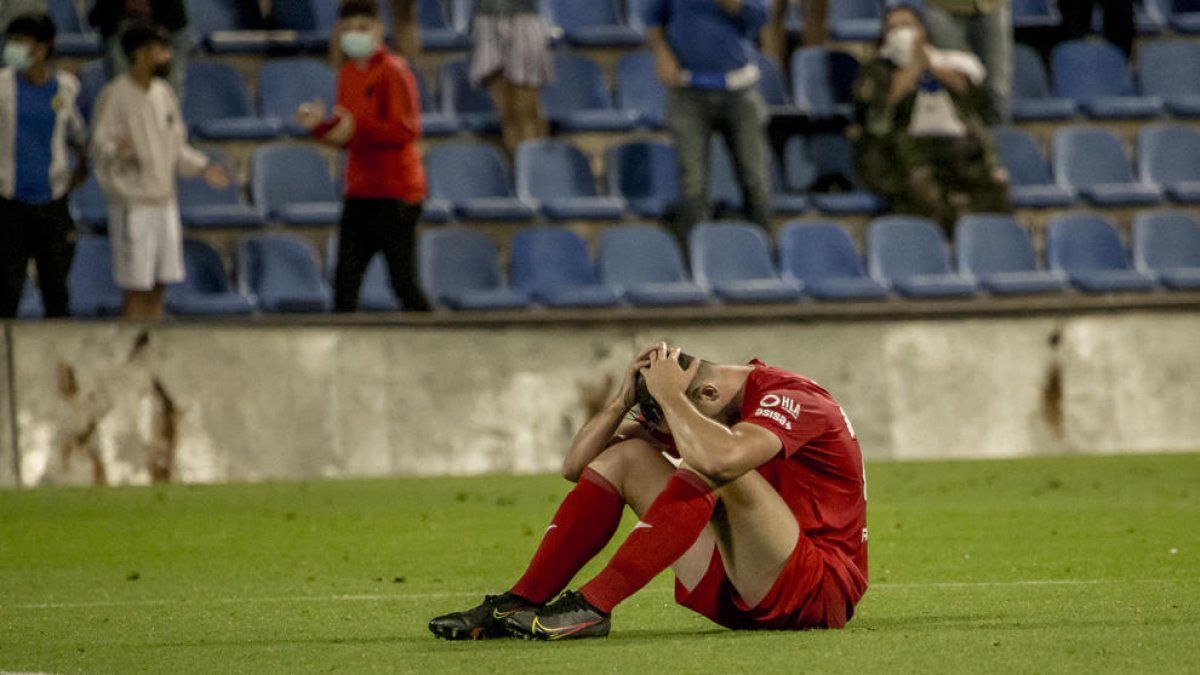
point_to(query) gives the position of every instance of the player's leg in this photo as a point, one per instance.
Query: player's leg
(756, 534)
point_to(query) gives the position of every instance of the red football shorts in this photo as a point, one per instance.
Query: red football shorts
(806, 595)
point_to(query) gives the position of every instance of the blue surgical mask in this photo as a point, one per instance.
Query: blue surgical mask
(16, 55)
(357, 44)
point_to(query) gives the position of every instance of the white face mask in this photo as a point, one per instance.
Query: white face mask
(899, 45)
(16, 55)
(357, 44)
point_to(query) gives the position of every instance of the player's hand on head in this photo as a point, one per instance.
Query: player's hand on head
(664, 376)
(628, 391)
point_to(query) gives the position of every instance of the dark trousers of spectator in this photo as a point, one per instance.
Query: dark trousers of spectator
(370, 226)
(1118, 21)
(46, 233)
(693, 115)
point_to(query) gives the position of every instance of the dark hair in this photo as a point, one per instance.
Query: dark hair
(38, 26)
(646, 404)
(139, 35)
(352, 8)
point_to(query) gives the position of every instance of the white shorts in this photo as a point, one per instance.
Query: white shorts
(147, 246)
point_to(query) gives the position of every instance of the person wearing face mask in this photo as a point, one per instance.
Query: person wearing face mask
(985, 28)
(377, 121)
(139, 146)
(920, 138)
(112, 17)
(39, 126)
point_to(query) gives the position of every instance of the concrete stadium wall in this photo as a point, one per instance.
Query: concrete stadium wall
(107, 402)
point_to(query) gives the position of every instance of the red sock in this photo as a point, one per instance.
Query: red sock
(671, 525)
(583, 525)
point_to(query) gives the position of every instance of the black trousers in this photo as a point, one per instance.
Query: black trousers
(1118, 21)
(370, 226)
(46, 233)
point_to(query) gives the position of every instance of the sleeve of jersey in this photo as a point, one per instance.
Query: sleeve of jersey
(783, 412)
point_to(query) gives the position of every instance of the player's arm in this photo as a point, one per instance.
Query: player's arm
(606, 426)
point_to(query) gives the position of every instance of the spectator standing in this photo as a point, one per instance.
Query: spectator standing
(705, 57)
(39, 124)
(405, 31)
(1118, 21)
(377, 121)
(511, 58)
(11, 9)
(112, 17)
(983, 27)
(921, 141)
(139, 145)
(774, 38)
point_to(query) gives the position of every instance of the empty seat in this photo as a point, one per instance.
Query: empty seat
(90, 284)
(557, 176)
(203, 206)
(911, 254)
(437, 33)
(596, 23)
(1166, 244)
(473, 106)
(822, 256)
(772, 86)
(645, 174)
(1092, 162)
(734, 260)
(30, 304)
(92, 78)
(376, 293)
(823, 82)
(1088, 249)
(1035, 14)
(1032, 98)
(1184, 15)
(645, 263)
(280, 272)
(577, 99)
(1169, 156)
(205, 290)
(552, 265)
(997, 251)
(725, 192)
(1170, 70)
(89, 206)
(1097, 76)
(285, 84)
(816, 164)
(638, 89)
(74, 38)
(232, 27)
(1028, 172)
(434, 121)
(475, 179)
(460, 269)
(291, 183)
(854, 20)
(216, 105)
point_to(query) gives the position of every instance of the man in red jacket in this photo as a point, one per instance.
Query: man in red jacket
(377, 121)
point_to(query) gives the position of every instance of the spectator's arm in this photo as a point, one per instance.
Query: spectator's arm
(666, 65)
(397, 118)
(106, 130)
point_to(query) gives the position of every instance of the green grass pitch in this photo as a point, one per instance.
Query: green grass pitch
(1073, 564)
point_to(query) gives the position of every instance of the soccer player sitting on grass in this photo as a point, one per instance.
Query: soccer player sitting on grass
(763, 520)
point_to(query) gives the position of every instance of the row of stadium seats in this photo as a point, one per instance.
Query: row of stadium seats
(642, 265)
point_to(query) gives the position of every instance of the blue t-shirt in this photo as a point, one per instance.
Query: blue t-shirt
(703, 37)
(36, 117)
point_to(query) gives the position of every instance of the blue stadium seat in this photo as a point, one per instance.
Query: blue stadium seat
(90, 284)
(577, 99)
(216, 105)
(1092, 161)
(854, 20)
(1170, 70)
(30, 304)
(1169, 155)
(911, 254)
(645, 263)
(437, 34)
(1032, 98)
(285, 84)
(280, 272)
(201, 206)
(733, 259)
(1088, 249)
(205, 291)
(1166, 245)
(772, 86)
(1096, 75)
(1149, 17)
(74, 37)
(233, 27)
(821, 256)
(552, 265)
(473, 106)
(596, 23)
(376, 293)
(89, 207)
(475, 179)
(1035, 14)
(291, 184)
(558, 177)
(638, 89)
(1184, 15)
(823, 82)
(810, 161)
(645, 174)
(460, 269)
(725, 192)
(997, 251)
(92, 78)
(434, 121)
(1028, 172)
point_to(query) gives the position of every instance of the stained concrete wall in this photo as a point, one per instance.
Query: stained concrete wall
(220, 403)
(8, 476)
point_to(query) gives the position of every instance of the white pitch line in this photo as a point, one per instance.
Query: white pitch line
(376, 597)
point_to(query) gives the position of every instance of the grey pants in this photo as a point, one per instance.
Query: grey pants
(740, 117)
(987, 35)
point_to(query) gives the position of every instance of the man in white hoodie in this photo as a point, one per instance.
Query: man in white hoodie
(139, 145)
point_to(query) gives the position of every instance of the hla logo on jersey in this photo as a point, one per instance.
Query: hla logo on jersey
(775, 401)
